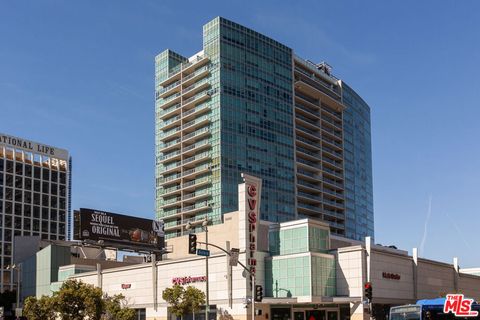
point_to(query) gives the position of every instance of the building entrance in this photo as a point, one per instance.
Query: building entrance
(323, 314)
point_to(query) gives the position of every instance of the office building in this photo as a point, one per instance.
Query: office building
(34, 196)
(247, 103)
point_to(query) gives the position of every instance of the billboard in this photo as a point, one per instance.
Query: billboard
(95, 225)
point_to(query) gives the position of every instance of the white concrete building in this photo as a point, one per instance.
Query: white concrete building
(306, 274)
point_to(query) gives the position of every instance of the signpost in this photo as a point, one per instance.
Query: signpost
(203, 252)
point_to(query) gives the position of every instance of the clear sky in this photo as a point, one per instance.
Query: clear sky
(80, 75)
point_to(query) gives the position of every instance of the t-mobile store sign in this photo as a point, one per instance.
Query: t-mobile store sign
(252, 206)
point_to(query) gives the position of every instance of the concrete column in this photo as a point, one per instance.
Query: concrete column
(368, 248)
(456, 275)
(154, 281)
(415, 273)
(99, 276)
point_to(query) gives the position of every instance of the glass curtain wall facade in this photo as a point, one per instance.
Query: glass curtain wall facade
(221, 112)
(247, 103)
(34, 201)
(358, 166)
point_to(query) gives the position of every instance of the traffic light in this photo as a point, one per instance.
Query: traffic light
(368, 291)
(192, 243)
(258, 293)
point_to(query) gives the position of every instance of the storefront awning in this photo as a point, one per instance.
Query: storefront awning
(312, 299)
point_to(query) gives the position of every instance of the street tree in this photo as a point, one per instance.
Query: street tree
(78, 301)
(182, 300)
(39, 309)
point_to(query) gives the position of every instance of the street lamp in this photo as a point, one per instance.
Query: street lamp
(189, 226)
(16, 267)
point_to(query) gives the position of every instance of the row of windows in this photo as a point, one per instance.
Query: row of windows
(37, 199)
(30, 225)
(28, 170)
(10, 208)
(38, 185)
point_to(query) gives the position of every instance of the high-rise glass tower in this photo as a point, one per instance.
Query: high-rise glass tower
(358, 166)
(246, 103)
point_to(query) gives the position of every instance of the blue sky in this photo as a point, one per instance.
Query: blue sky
(80, 75)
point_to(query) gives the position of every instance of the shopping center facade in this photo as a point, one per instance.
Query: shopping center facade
(305, 273)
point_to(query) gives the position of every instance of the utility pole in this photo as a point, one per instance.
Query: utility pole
(207, 307)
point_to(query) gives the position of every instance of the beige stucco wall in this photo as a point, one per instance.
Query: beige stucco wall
(402, 289)
(434, 279)
(351, 273)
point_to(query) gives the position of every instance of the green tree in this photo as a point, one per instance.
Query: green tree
(39, 309)
(183, 301)
(115, 309)
(78, 301)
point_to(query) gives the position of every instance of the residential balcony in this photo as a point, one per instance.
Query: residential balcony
(332, 183)
(333, 203)
(310, 164)
(171, 122)
(197, 75)
(335, 164)
(190, 66)
(192, 113)
(307, 143)
(172, 167)
(311, 175)
(329, 122)
(305, 121)
(175, 155)
(172, 110)
(170, 145)
(336, 115)
(309, 197)
(310, 209)
(330, 172)
(310, 155)
(172, 133)
(195, 124)
(194, 196)
(195, 88)
(185, 68)
(170, 179)
(306, 111)
(191, 173)
(200, 133)
(170, 191)
(333, 133)
(191, 185)
(170, 101)
(191, 209)
(192, 161)
(307, 132)
(335, 214)
(171, 88)
(332, 154)
(308, 186)
(332, 193)
(197, 146)
(332, 143)
(196, 99)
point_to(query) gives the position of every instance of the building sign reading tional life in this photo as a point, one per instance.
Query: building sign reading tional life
(32, 146)
(253, 187)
